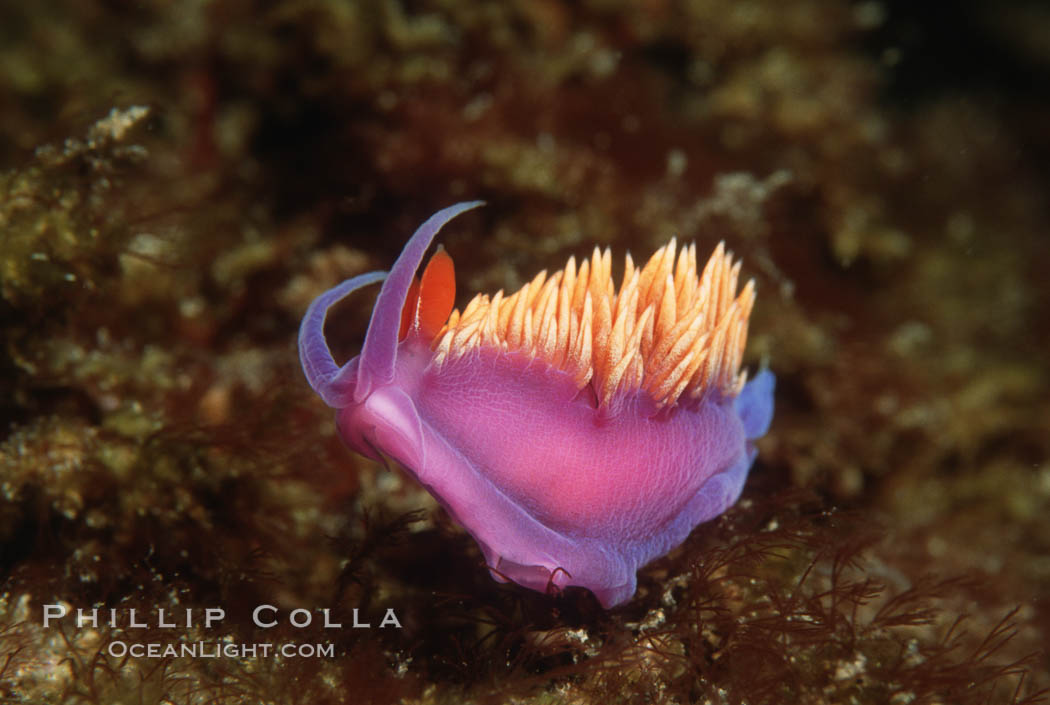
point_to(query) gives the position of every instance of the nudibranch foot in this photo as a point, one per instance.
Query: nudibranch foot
(576, 431)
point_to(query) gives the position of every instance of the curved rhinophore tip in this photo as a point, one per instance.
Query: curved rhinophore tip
(376, 366)
(334, 384)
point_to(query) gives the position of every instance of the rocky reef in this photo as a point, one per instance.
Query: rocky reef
(179, 180)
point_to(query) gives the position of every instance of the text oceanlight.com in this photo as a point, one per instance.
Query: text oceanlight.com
(201, 649)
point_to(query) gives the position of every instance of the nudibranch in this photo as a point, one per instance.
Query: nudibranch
(576, 431)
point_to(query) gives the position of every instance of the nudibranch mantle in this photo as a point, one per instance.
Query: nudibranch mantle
(575, 431)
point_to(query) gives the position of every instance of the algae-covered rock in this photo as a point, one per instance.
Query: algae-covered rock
(56, 214)
(180, 180)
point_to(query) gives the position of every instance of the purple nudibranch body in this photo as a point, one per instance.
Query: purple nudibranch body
(576, 431)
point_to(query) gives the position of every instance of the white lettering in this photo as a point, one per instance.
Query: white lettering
(256, 616)
(328, 624)
(305, 621)
(308, 618)
(212, 615)
(390, 619)
(54, 612)
(83, 619)
(160, 620)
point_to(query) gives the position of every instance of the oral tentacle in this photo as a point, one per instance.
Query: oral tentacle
(332, 382)
(380, 349)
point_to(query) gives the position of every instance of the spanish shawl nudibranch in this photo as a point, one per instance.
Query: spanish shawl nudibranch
(575, 431)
